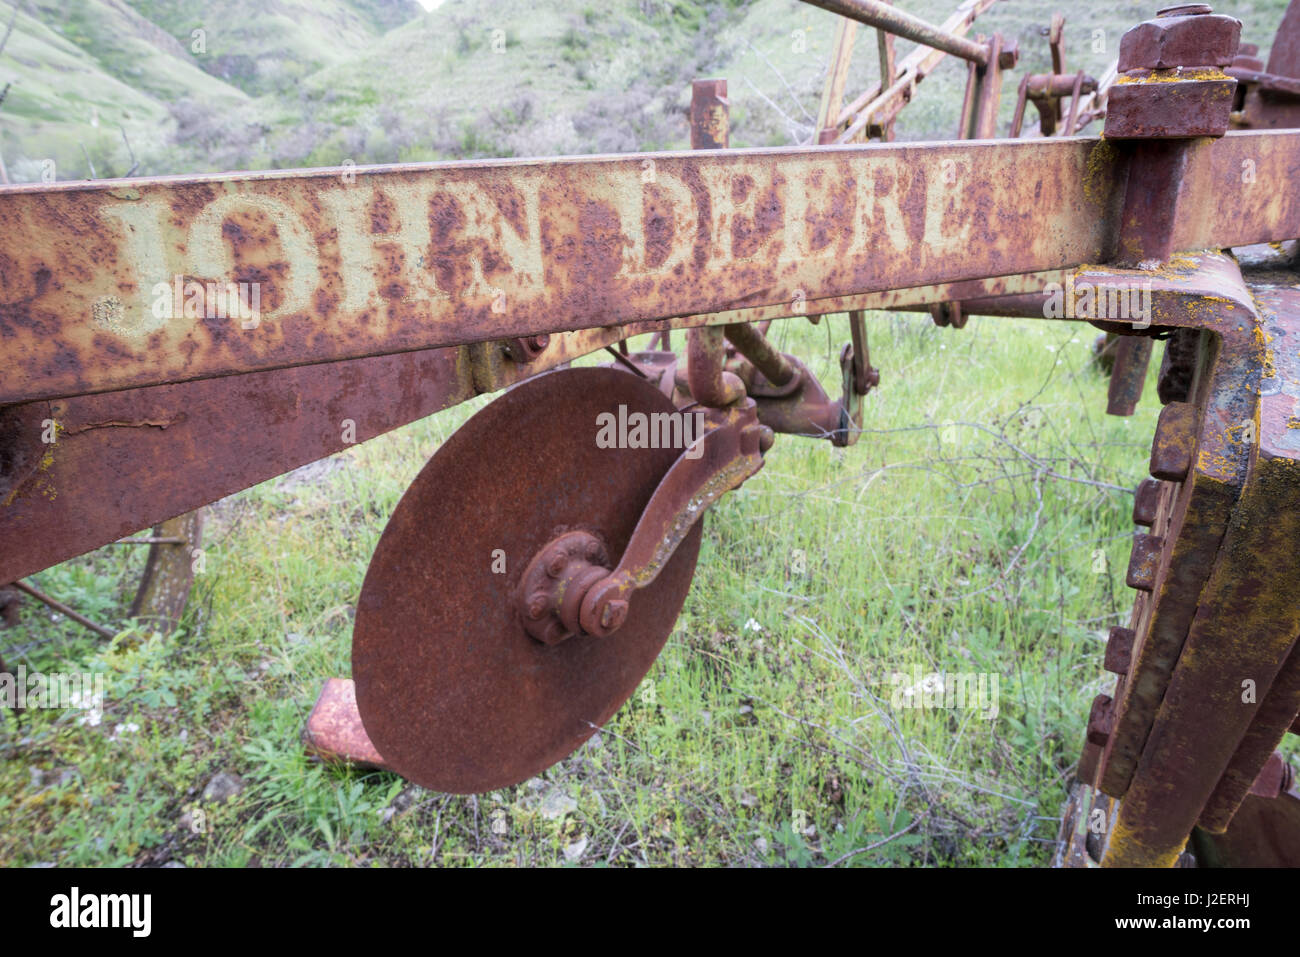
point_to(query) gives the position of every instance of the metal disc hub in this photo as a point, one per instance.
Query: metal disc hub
(555, 583)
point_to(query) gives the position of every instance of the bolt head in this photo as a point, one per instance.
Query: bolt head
(1100, 720)
(556, 563)
(1180, 39)
(613, 614)
(537, 606)
(1010, 55)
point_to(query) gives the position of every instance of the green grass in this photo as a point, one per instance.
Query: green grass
(959, 535)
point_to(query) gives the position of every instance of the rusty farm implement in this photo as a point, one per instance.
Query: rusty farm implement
(389, 293)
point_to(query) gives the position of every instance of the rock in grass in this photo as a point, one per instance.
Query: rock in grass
(222, 787)
(573, 852)
(557, 804)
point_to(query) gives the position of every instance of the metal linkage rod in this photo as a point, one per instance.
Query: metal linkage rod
(884, 17)
(64, 609)
(755, 347)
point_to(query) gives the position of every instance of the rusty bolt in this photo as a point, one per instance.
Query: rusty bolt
(1119, 650)
(553, 634)
(556, 563)
(1010, 54)
(613, 615)
(527, 348)
(1188, 35)
(1175, 442)
(1146, 503)
(1100, 720)
(1187, 96)
(595, 554)
(1144, 561)
(537, 606)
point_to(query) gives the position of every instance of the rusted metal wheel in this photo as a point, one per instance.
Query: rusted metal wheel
(453, 691)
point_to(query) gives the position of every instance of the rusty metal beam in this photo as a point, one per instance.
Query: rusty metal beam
(124, 461)
(443, 254)
(415, 257)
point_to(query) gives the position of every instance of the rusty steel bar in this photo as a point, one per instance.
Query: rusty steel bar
(755, 347)
(112, 467)
(887, 104)
(414, 257)
(709, 383)
(921, 61)
(837, 75)
(901, 23)
(1132, 358)
(1277, 476)
(63, 609)
(149, 541)
(888, 72)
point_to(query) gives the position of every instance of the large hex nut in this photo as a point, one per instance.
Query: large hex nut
(1172, 41)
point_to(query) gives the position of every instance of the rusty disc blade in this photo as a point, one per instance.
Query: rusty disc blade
(452, 691)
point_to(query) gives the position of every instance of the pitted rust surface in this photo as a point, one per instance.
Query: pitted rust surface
(379, 260)
(124, 461)
(1278, 469)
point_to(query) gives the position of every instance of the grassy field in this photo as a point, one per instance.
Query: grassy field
(980, 526)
